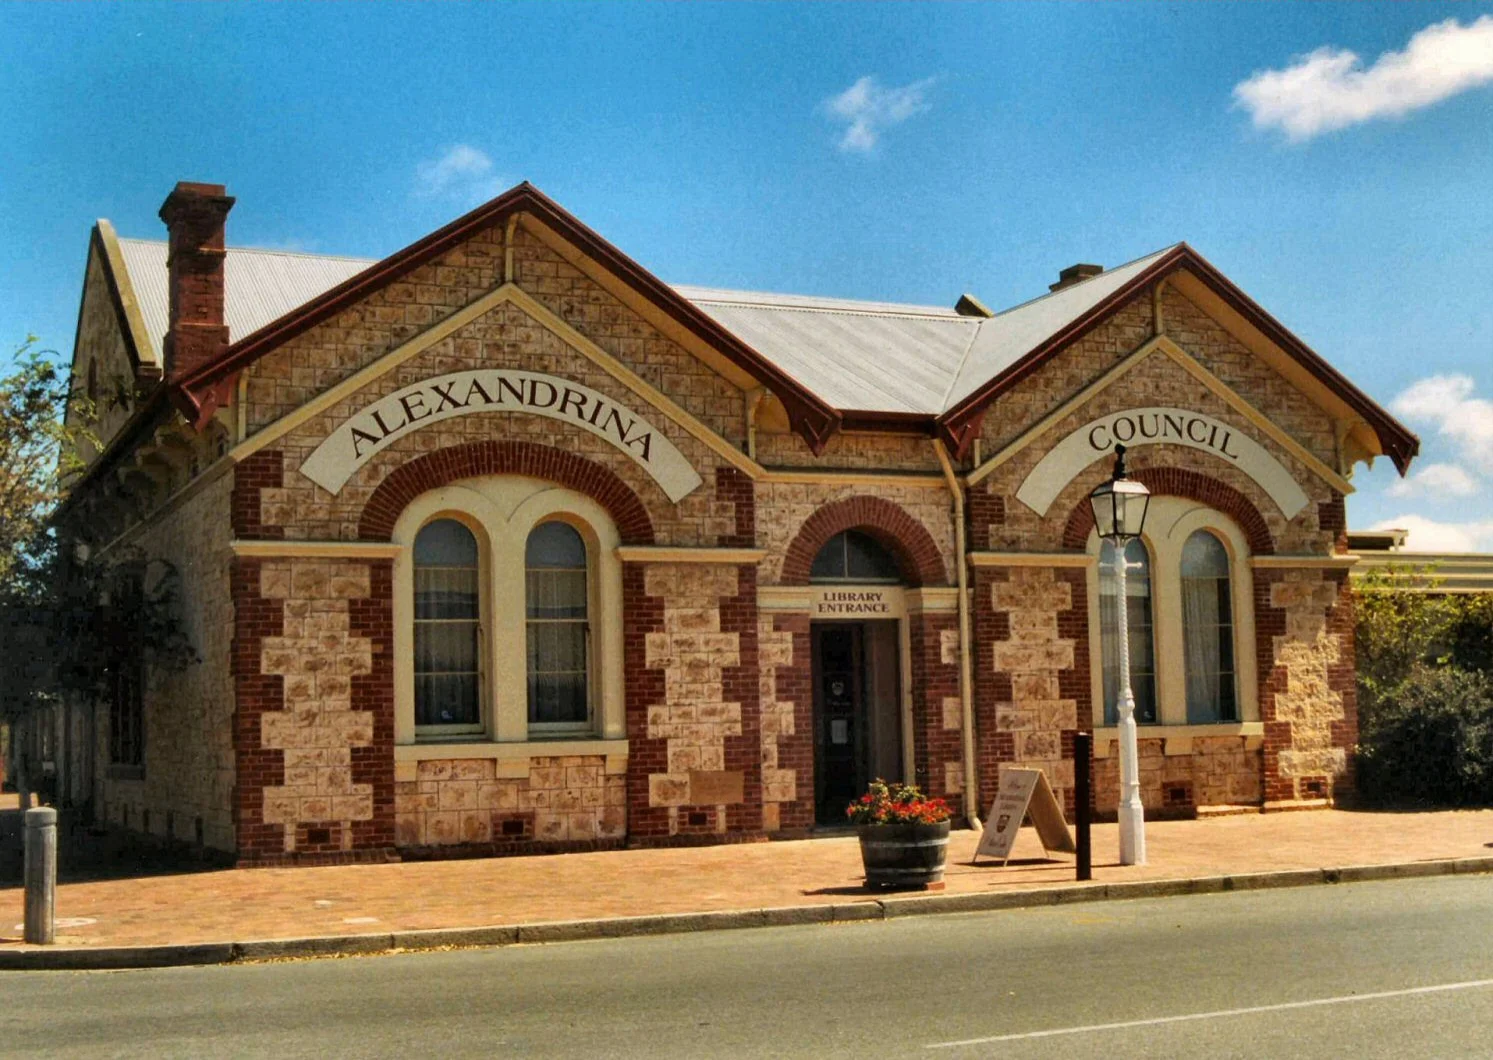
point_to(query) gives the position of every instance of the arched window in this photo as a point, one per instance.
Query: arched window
(1142, 639)
(851, 556)
(1208, 630)
(558, 629)
(447, 628)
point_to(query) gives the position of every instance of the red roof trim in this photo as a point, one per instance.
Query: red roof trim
(810, 415)
(1398, 441)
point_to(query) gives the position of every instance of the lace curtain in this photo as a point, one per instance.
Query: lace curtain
(558, 630)
(1207, 630)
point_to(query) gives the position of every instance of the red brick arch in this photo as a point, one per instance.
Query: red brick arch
(906, 539)
(1179, 482)
(447, 465)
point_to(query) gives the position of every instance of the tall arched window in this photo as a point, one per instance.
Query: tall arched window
(1208, 630)
(1142, 639)
(558, 629)
(447, 628)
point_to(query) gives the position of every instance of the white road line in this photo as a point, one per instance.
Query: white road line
(1472, 984)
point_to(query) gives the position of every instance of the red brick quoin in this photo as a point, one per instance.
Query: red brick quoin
(904, 537)
(457, 462)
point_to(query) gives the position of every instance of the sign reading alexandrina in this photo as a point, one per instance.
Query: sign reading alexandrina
(1153, 426)
(362, 435)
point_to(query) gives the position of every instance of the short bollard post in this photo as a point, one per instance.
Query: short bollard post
(1083, 749)
(41, 874)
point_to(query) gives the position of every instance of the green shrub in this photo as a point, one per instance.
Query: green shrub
(1429, 740)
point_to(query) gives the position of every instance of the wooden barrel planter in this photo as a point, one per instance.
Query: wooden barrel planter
(904, 855)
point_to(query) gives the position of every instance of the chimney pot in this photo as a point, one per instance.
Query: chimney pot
(194, 215)
(1074, 274)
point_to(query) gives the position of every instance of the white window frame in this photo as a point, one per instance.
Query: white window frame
(1170, 521)
(501, 511)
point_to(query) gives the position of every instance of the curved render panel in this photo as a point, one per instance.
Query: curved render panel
(357, 439)
(1152, 426)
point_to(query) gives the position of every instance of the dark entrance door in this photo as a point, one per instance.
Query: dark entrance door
(857, 712)
(839, 719)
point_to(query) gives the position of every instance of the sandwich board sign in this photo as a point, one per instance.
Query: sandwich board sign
(1022, 791)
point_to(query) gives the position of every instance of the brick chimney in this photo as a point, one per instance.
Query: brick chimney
(194, 216)
(1073, 274)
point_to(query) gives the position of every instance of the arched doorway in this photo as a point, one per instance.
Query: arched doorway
(857, 638)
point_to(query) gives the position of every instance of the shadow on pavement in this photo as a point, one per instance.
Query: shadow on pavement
(86, 853)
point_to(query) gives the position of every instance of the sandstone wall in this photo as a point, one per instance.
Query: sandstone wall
(694, 718)
(186, 791)
(569, 800)
(315, 719)
(323, 356)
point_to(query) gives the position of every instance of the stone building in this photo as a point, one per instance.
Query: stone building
(502, 544)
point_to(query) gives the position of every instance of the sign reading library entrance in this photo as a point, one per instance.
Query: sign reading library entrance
(857, 603)
(1022, 791)
(367, 432)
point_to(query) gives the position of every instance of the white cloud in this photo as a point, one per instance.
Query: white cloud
(867, 109)
(1436, 480)
(1447, 403)
(1428, 535)
(1330, 88)
(462, 173)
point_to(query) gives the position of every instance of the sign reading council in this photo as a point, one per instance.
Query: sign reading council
(1158, 426)
(375, 427)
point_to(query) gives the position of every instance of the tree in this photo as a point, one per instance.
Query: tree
(68, 621)
(1425, 685)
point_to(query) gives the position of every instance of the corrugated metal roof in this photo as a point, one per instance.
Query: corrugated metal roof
(861, 356)
(856, 356)
(1012, 333)
(259, 285)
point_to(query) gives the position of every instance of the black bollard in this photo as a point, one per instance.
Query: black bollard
(1083, 753)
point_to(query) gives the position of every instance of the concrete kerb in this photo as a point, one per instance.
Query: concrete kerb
(119, 957)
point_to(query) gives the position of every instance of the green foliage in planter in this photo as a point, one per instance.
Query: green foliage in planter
(1431, 741)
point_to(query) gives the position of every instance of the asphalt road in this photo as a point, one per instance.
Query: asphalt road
(1399, 969)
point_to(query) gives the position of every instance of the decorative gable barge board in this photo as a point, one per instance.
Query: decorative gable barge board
(198, 393)
(960, 424)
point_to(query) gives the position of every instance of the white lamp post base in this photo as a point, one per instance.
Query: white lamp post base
(1131, 814)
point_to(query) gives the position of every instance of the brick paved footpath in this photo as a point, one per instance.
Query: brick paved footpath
(241, 904)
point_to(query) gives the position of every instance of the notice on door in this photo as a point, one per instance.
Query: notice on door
(1024, 791)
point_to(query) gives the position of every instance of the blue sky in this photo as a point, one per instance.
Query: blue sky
(897, 152)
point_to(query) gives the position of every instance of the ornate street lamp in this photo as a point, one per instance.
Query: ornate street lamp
(1119, 514)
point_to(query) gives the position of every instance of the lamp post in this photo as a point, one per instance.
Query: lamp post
(1119, 514)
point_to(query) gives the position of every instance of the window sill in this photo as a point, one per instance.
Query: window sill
(1178, 738)
(445, 749)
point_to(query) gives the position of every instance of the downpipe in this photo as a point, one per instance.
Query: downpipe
(966, 664)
